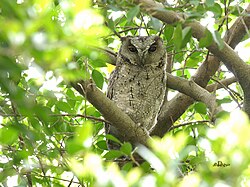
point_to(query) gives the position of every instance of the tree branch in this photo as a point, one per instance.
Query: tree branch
(239, 29)
(111, 112)
(230, 92)
(193, 90)
(188, 123)
(61, 115)
(222, 84)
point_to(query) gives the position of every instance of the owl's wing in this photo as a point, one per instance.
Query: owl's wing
(112, 79)
(110, 93)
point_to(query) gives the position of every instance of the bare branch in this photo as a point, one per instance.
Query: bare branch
(229, 91)
(222, 84)
(56, 178)
(188, 123)
(239, 29)
(82, 116)
(194, 91)
(58, 115)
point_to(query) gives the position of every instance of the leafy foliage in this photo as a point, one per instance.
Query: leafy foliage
(51, 136)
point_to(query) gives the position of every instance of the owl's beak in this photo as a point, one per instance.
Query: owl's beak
(142, 57)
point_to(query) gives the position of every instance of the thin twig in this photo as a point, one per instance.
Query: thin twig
(143, 22)
(62, 115)
(243, 22)
(56, 178)
(82, 116)
(162, 29)
(228, 90)
(188, 123)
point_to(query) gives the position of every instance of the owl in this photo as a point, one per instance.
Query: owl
(138, 83)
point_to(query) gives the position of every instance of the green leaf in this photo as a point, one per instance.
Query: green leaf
(98, 78)
(194, 59)
(97, 127)
(206, 40)
(71, 98)
(145, 167)
(223, 115)
(84, 134)
(91, 111)
(72, 147)
(6, 171)
(111, 137)
(186, 36)
(209, 3)
(196, 54)
(127, 166)
(168, 32)
(112, 154)
(102, 144)
(133, 12)
(70, 93)
(217, 10)
(8, 135)
(191, 140)
(200, 108)
(111, 24)
(236, 10)
(192, 63)
(155, 24)
(126, 148)
(99, 62)
(218, 40)
(63, 106)
(224, 100)
(43, 113)
(82, 139)
(21, 155)
(178, 37)
(195, 2)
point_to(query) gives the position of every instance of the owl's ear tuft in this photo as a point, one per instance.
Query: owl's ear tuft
(125, 38)
(157, 38)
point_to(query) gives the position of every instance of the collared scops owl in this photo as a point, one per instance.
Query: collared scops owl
(138, 83)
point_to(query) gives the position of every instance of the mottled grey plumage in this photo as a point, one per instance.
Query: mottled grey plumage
(138, 83)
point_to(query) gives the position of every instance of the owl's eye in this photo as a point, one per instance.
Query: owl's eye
(132, 49)
(152, 48)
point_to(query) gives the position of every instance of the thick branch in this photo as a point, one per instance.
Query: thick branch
(111, 112)
(157, 10)
(194, 91)
(238, 30)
